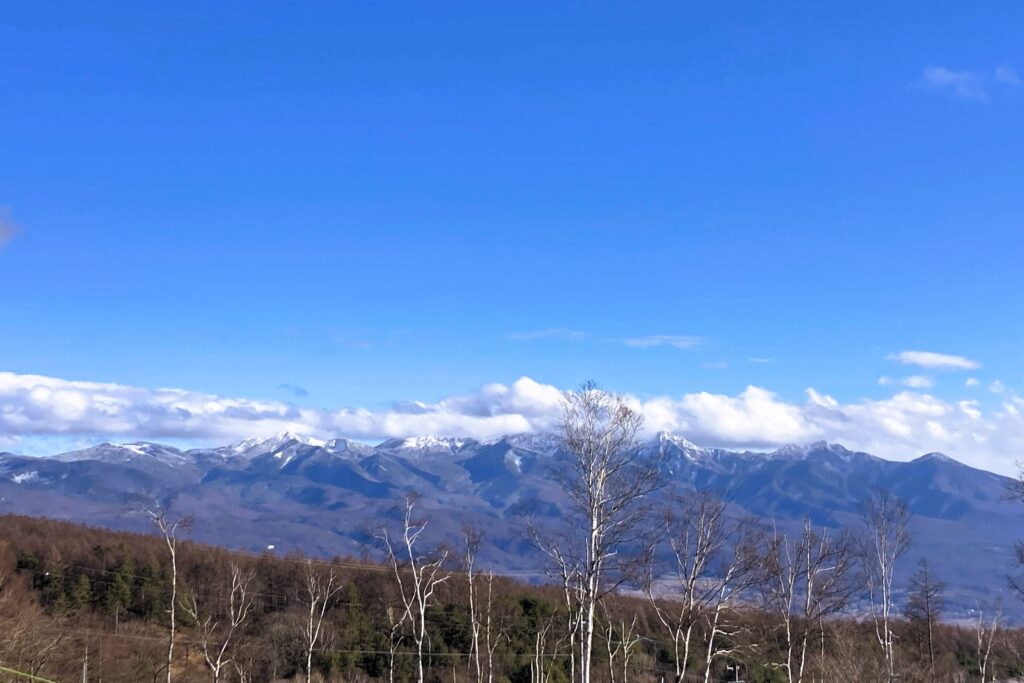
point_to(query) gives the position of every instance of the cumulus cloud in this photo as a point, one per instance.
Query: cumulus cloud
(902, 426)
(997, 387)
(673, 340)
(35, 404)
(936, 361)
(972, 382)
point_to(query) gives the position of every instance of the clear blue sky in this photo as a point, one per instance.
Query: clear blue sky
(381, 201)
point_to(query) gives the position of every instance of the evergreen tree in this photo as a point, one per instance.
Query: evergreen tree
(80, 596)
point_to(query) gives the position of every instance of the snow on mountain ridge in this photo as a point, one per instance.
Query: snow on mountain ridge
(426, 444)
(258, 446)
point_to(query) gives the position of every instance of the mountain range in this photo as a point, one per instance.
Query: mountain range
(329, 497)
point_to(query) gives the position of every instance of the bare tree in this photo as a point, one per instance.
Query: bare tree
(169, 528)
(567, 568)
(705, 569)
(319, 593)
(493, 633)
(886, 520)
(740, 573)
(607, 482)
(396, 621)
(621, 638)
(986, 632)
(807, 580)
(418, 575)
(925, 602)
(540, 669)
(215, 640)
(472, 539)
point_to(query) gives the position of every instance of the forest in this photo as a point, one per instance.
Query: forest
(80, 603)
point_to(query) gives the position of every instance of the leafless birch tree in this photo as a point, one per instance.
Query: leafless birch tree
(986, 631)
(740, 572)
(808, 579)
(607, 482)
(494, 633)
(540, 662)
(320, 591)
(711, 558)
(396, 623)
(886, 520)
(215, 639)
(621, 638)
(418, 575)
(472, 539)
(169, 528)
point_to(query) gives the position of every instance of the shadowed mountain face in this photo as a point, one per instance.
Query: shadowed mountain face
(328, 497)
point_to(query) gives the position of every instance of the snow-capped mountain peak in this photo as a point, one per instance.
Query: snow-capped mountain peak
(937, 457)
(425, 444)
(258, 446)
(676, 440)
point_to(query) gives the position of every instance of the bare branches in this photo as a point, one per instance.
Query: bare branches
(808, 579)
(608, 483)
(925, 604)
(712, 561)
(169, 528)
(417, 574)
(210, 629)
(886, 520)
(472, 539)
(320, 590)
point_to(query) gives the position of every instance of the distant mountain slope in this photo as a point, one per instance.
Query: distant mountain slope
(326, 497)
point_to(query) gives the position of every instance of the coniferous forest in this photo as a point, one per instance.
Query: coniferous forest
(80, 603)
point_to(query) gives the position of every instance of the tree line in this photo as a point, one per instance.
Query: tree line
(644, 583)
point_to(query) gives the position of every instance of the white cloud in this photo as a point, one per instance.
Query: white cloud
(971, 85)
(550, 333)
(918, 382)
(963, 84)
(997, 387)
(937, 361)
(885, 380)
(1007, 74)
(902, 426)
(675, 341)
(972, 382)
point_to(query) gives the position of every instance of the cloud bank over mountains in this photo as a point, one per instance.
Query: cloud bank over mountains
(902, 426)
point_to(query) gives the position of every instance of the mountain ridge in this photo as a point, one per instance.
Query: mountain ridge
(322, 495)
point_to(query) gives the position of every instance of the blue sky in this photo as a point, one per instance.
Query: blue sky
(379, 204)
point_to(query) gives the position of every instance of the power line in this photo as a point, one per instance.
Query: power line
(22, 674)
